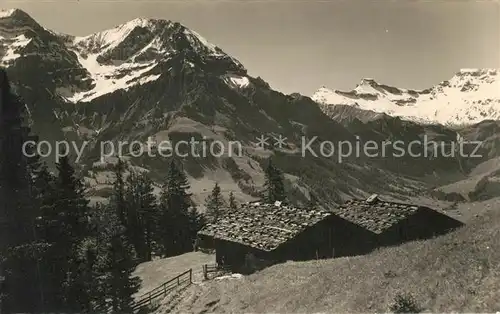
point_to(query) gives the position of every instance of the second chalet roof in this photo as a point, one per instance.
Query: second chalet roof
(375, 214)
(263, 226)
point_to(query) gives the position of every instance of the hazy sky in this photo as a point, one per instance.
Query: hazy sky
(298, 46)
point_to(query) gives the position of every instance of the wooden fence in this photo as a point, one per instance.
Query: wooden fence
(147, 299)
(214, 268)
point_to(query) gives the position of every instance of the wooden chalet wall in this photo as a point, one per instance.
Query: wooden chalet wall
(332, 237)
(424, 224)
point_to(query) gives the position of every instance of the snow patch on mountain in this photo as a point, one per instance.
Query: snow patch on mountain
(472, 95)
(237, 81)
(199, 41)
(11, 48)
(157, 45)
(7, 13)
(110, 78)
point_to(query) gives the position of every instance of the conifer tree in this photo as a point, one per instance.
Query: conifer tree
(117, 286)
(232, 201)
(175, 202)
(118, 196)
(88, 255)
(196, 222)
(214, 204)
(93, 253)
(274, 187)
(134, 228)
(142, 214)
(52, 276)
(65, 215)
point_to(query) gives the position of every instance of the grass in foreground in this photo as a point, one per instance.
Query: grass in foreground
(157, 272)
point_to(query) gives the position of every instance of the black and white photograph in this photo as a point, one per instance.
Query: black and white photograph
(249, 156)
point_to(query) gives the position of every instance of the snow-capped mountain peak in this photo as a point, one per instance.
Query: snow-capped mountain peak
(138, 48)
(7, 13)
(163, 35)
(367, 86)
(106, 40)
(470, 96)
(83, 68)
(15, 14)
(16, 21)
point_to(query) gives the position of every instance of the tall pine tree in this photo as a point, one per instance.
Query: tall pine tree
(175, 202)
(142, 214)
(115, 263)
(65, 217)
(274, 187)
(53, 276)
(118, 196)
(196, 222)
(232, 201)
(214, 204)
(76, 219)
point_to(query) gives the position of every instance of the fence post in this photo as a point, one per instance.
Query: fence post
(205, 275)
(190, 275)
(150, 299)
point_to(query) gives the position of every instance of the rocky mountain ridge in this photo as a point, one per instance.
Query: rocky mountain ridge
(470, 96)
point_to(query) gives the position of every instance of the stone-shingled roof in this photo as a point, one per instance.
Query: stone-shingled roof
(263, 226)
(374, 214)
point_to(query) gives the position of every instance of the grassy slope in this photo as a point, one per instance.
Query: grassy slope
(157, 272)
(456, 272)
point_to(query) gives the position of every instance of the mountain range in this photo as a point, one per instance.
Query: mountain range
(151, 78)
(470, 96)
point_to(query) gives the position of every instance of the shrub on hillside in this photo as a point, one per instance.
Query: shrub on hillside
(405, 303)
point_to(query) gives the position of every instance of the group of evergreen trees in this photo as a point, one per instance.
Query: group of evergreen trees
(162, 227)
(274, 190)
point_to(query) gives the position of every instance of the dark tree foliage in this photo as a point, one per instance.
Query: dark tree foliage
(142, 214)
(64, 225)
(73, 210)
(274, 186)
(118, 196)
(232, 201)
(20, 250)
(214, 204)
(196, 222)
(114, 265)
(176, 232)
